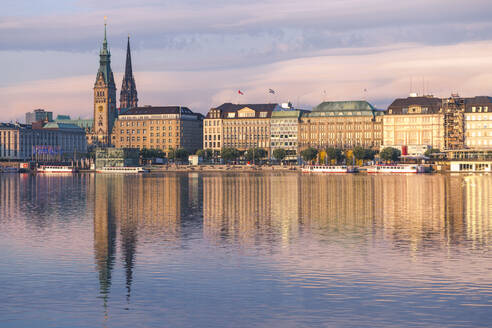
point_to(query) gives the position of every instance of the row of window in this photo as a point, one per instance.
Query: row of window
(144, 139)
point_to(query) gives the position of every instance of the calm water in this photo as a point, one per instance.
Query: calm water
(248, 250)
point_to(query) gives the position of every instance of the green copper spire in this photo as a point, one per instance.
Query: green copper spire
(105, 59)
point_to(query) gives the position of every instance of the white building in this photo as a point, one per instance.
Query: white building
(478, 123)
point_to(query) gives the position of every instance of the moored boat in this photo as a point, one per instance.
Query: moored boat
(122, 169)
(396, 168)
(8, 169)
(328, 169)
(56, 169)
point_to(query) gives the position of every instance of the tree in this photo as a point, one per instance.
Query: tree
(309, 154)
(255, 153)
(229, 154)
(390, 154)
(149, 154)
(334, 154)
(359, 153)
(430, 151)
(181, 154)
(171, 154)
(201, 153)
(280, 154)
(363, 153)
(209, 153)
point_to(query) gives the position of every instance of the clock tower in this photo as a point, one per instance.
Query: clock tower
(104, 97)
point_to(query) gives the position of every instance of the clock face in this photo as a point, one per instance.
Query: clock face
(100, 108)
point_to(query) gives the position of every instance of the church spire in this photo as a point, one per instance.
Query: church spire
(128, 94)
(128, 67)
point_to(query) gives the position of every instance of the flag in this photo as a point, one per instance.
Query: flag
(271, 91)
(240, 92)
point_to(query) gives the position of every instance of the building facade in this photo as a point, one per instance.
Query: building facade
(240, 126)
(341, 124)
(478, 122)
(55, 140)
(414, 123)
(104, 98)
(284, 129)
(164, 128)
(39, 115)
(128, 94)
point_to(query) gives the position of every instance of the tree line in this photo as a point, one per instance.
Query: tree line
(324, 156)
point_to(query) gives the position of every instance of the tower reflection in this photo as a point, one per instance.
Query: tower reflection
(135, 208)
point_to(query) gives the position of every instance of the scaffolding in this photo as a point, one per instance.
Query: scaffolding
(454, 122)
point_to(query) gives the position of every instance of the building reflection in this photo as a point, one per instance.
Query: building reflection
(411, 212)
(135, 208)
(236, 208)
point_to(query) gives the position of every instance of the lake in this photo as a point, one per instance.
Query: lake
(245, 250)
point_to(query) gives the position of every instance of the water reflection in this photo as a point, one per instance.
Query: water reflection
(306, 231)
(146, 208)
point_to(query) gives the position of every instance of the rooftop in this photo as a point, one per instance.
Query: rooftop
(330, 106)
(150, 110)
(257, 108)
(401, 105)
(345, 108)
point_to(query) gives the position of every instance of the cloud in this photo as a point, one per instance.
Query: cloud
(384, 72)
(254, 25)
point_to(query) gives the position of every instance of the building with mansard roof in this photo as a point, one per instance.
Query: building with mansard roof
(478, 122)
(414, 124)
(341, 124)
(240, 126)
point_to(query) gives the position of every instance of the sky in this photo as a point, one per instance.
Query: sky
(199, 53)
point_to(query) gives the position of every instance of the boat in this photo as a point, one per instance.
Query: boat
(56, 169)
(328, 169)
(122, 169)
(8, 169)
(396, 168)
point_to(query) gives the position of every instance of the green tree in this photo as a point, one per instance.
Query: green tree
(255, 154)
(229, 154)
(390, 154)
(363, 153)
(280, 154)
(181, 154)
(201, 153)
(334, 154)
(430, 151)
(209, 153)
(149, 154)
(309, 154)
(359, 153)
(171, 154)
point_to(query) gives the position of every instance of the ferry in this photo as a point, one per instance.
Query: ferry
(396, 168)
(56, 169)
(328, 169)
(122, 169)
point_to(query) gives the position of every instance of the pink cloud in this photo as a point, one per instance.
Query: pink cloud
(384, 72)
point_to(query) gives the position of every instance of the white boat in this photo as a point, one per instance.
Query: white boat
(56, 169)
(396, 168)
(328, 169)
(122, 169)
